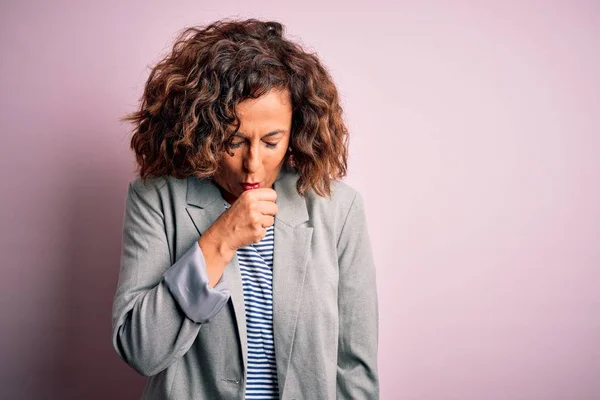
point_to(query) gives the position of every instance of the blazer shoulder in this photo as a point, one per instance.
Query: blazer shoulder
(149, 185)
(343, 195)
(342, 191)
(338, 204)
(154, 191)
(157, 185)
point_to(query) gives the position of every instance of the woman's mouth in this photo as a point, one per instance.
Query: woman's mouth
(250, 186)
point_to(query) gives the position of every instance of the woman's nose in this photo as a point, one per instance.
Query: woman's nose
(252, 160)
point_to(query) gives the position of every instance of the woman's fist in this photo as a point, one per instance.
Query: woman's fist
(248, 218)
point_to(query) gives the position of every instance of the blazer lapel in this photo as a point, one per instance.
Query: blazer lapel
(205, 205)
(291, 252)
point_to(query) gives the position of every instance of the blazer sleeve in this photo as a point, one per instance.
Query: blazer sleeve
(357, 376)
(156, 314)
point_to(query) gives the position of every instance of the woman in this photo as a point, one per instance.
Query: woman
(246, 268)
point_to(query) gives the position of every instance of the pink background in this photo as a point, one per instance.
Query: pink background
(475, 142)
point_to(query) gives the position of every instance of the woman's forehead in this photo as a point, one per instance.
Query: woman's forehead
(271, 112)
(273, 100)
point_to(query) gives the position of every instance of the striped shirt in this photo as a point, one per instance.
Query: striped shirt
(256, 267)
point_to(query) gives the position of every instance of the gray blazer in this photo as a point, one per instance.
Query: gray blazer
(325, 314)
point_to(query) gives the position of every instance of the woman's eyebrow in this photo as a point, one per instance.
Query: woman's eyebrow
(240, 134)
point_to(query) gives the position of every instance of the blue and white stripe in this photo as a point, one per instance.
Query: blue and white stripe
(256, 267)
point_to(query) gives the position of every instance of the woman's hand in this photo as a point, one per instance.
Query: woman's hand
(244, 223)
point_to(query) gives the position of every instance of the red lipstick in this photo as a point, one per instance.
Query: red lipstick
(250, 186)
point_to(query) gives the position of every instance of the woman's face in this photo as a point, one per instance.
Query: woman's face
(259, 147)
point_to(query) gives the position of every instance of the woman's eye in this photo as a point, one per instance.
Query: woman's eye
(240, 143)
(235, 145)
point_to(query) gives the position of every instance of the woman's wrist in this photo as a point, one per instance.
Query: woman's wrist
(217, 254)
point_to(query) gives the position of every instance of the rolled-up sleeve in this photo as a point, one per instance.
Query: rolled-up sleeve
(187, 281)
(154, 323)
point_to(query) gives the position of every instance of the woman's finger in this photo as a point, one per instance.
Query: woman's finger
(267, 220)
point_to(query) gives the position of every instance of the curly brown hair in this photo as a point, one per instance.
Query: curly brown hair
(187, 115)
